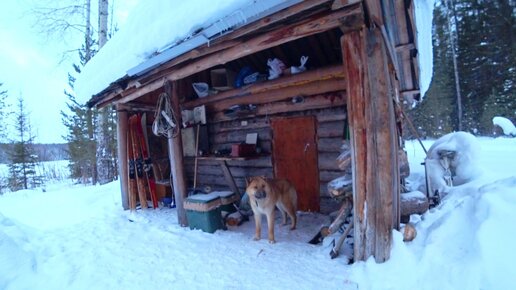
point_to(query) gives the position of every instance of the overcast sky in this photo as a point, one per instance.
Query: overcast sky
(31, 65)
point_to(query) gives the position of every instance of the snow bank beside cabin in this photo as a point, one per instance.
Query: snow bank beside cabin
(464, 243)
(151, 27)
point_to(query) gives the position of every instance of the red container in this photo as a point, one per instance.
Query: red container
(243, 150)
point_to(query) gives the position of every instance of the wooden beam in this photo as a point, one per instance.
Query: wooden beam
(175, 152)
(374, 142)
(338, 4)
(406, 46)
(281, 94)
(310, 26)
(121, 137)
(333, 99)
(312, 76)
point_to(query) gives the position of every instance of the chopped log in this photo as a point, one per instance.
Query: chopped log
(344, 159)
(341, 187)
(414, 202)
(409, 232)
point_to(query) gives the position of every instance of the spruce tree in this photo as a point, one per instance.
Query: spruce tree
(3, 146)
(22, 158)
(80, 123)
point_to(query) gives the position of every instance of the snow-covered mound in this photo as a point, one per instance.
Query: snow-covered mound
(506, 125)
(78, 237)
(464, 164)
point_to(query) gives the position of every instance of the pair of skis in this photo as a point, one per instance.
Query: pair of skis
(141, 177)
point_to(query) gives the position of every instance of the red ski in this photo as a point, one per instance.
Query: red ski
(147, 162)
(137, 162)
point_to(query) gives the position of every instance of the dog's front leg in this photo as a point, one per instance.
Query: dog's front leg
(270, 225)
(258, 226)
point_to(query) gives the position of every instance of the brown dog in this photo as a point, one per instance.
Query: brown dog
(265, 195)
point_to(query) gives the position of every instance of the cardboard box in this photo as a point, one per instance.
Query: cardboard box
(243, 150)
(222, 79)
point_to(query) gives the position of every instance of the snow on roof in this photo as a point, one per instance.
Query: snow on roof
(152, 26)
(424, 16)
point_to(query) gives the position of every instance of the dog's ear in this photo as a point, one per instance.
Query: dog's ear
(248, 180)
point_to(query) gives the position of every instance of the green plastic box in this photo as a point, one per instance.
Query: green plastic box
(203, 212)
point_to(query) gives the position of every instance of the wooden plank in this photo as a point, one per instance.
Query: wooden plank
(353, 48)
(329, 144)
(229, 177)
(338, 4)
(121, 134)
(310, 26)
(311, 76)
(286, 94)
(175, 153)
(385, 154)
(374, 142)
(374, 12)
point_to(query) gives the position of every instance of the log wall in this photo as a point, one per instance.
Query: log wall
(224, 133)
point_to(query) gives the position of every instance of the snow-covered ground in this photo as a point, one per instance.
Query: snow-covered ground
(77, 237)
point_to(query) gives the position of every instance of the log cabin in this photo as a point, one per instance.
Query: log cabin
(362, 64)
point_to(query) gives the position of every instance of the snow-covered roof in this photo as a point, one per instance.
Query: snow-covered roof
(159, 30)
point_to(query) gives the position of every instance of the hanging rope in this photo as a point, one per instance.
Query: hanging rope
(165, 122)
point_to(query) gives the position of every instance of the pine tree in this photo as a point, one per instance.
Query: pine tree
(3, 113)
(436, 114)
(80, 123)
(486, 63)
(3, 147)
(23, 160)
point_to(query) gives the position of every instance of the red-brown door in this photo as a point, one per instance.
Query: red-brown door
(294, 153)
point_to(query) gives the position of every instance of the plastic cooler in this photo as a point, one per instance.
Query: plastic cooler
(203, 212)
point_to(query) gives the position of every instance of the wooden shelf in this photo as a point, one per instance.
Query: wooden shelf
(261, 92)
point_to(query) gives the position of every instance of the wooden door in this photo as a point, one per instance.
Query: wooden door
(294, 153)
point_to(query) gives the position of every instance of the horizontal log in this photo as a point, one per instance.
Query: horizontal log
(326, 176)
(264, 161)
(293, 80)
(331, 129)
(284, 94)
(413, 203)
(328, 161)
(334, 99)
(239, 136)
(329, 144)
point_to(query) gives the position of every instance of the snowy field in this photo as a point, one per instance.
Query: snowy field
(77, 237)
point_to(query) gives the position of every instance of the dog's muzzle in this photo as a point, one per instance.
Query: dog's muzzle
(260, 194)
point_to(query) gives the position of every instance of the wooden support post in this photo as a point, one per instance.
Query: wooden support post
(121, 132)
(374, 142)
(175, 152)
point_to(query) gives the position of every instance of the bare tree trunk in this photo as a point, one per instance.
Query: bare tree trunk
(105, 166)
(453, 39)
(103, 22)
